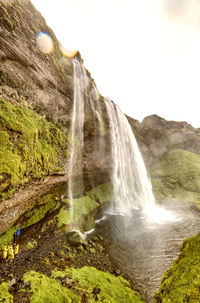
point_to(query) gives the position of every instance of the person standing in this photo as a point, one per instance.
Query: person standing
(5, 252)
(17, 235)
(10, 251)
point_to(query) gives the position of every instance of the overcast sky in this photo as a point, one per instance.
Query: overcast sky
(144, 55)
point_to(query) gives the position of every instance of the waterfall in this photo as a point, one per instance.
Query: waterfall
(131, 185)
(86, 103)
(76, 138)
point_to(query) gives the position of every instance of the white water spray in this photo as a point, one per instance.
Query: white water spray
(131, 186)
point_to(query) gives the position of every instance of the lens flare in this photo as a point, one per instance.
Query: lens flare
(67, 52)
(44, 42)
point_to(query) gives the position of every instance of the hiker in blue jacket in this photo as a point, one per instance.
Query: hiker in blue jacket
(17, 235)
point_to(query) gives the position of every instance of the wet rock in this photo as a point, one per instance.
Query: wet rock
(12, 282)
(67, 282)
(96, 290)
(116, 272)
(84, 298)
(92, 250)
(27, 284)
(95, 239)
(74, 239)
(100, 247)
(12, 285)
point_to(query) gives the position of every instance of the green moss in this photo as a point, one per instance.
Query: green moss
(101, 193)
(181, 282)
(177, 175)
(166, 189)
(30, 146)
(7, 237)
(112, 289)
(44, 205)
(1, 73)
(32, 244)
(81, 206)
(5, 296)
(10, 23)
(10, 163)
(84, 206)
(49, 290)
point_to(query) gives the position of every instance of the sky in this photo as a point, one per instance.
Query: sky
(144, 55)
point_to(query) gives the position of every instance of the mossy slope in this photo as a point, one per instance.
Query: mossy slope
(46, 289)
(5, 296)
(85, 281)
(177, 175)
(30, 146)
(181, 282)
(111, 289)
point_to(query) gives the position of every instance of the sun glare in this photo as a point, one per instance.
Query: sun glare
(44, 42)
(67, 52)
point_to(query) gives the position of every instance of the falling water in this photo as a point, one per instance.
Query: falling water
(131, 186)
(77, 123)
(86, 98)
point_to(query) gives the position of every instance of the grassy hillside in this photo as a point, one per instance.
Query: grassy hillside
(181, 282)
(177, 176)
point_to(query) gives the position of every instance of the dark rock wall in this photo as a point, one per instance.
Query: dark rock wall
(156, 136)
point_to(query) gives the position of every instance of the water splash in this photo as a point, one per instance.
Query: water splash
(132, 188)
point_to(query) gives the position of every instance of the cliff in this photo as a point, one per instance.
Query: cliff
(171, 151)
(36, 102)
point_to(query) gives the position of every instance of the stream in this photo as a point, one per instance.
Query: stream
(144, 250)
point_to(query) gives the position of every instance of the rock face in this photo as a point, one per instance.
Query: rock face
(26, 73)
(36, 101)
(156, 136)
(171, 151)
